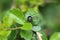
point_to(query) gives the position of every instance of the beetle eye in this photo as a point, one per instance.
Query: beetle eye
(29, 19)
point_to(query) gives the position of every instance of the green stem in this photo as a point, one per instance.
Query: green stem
(8, 29)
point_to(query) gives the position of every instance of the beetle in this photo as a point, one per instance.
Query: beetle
(29, 18)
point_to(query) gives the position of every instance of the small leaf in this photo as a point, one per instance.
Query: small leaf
(27, 35)
(55, 36)
(35, 16)
(27, 26)
(36, 28)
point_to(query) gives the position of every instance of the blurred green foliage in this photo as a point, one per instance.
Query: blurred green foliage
(44, 13)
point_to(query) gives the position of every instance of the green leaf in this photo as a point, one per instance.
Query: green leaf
(12, 16)
(16, 19)
(27, 26)
(7, 20)
(5, 33)
(34, 37)
(18, 16)
(2, 38)
(36, 28)
(13, 34)
(17, 12)
(35, 16)
(27, 35)
(55, 36)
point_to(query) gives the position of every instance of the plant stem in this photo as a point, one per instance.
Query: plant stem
(39, 35)
(13, 28)
(13, 4)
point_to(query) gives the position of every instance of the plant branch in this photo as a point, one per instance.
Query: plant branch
(13, 4)
(13, 28)
(39, 35)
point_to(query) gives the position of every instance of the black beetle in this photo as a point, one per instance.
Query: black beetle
(29, 18)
